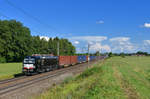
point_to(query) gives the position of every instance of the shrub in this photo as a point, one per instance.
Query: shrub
(90, 72)
(110, 54)
(2, 60)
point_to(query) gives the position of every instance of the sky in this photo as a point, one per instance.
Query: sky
(106, 25)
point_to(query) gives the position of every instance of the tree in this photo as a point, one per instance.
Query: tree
(97, 53)
(15, 39)
(142, 53)
(110, 54)
(122, 55)
(16, 42)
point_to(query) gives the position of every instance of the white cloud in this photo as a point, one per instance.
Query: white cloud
(122, 44)
(76, 42)
(147, 25)
(100, 47)
(102, 43)
(44, 37)
(147, 43)
(100, 22)
(94, 41)
(120, 39)
(89, 38)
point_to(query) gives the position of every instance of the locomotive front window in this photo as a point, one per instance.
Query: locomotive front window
(29, 61)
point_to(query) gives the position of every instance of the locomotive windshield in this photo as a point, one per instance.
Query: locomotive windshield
(29, 61)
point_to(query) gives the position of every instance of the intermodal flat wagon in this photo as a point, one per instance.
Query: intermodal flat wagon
(73, 60)
(64, 61)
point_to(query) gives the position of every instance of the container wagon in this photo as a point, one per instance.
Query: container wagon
(73, 60)
(64, 61)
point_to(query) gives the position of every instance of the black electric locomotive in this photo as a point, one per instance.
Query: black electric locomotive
(38, 64)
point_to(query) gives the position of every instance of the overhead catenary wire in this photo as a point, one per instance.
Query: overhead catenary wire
(31, 16)
(35, 19)
(2, 15)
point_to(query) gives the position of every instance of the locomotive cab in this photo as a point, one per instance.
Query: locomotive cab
(28, 65)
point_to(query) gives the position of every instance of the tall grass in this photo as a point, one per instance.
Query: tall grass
(116, 78)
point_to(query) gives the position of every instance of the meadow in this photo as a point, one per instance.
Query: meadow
(114, 78)
(8, 70)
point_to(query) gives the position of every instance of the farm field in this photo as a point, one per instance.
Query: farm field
(7, 70)
(115, 78)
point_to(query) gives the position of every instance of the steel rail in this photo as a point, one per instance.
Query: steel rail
(35, 80)
(16, 86)
(11, 79)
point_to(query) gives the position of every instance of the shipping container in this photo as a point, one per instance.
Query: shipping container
(84, 58)
(81, 58)
(73, 60)
(100, 57)
(87, 58)
(92, 58)
(64, 61)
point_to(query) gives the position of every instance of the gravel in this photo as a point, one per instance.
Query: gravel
(41, 86)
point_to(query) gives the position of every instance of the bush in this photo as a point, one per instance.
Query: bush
(90, 72)
(122, 55)
(2, 60)
(68, 79)
(110, 54)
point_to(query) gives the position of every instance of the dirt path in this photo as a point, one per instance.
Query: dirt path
(124, 84)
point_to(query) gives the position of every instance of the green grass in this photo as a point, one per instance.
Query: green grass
(116, 78)
(7, 70)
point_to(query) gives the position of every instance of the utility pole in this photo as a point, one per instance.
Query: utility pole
(58, 48)
(83, 49)
(88, 54)
(100, 52)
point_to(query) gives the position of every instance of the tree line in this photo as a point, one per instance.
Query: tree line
(16, 42)
(139, 53)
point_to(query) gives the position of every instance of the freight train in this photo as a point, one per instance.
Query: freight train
(44, 63)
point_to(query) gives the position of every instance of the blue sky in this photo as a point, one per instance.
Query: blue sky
(114, 25)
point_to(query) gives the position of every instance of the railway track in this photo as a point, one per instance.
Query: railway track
(11, 79)
(10, 85)
(26, 83)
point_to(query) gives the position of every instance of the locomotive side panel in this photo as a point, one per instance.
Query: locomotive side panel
(47, 64)
(37, 64)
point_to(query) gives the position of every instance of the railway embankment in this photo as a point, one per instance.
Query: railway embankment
(116, 78)
(25, 87)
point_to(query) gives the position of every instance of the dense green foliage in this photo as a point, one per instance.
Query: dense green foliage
(110, 54)
(142, 53)
(139, 53)
(16, 42)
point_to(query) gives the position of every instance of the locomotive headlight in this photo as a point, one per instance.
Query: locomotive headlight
(29, 66)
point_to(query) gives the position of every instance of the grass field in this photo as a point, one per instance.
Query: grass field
(115, 78)
(7, 70)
